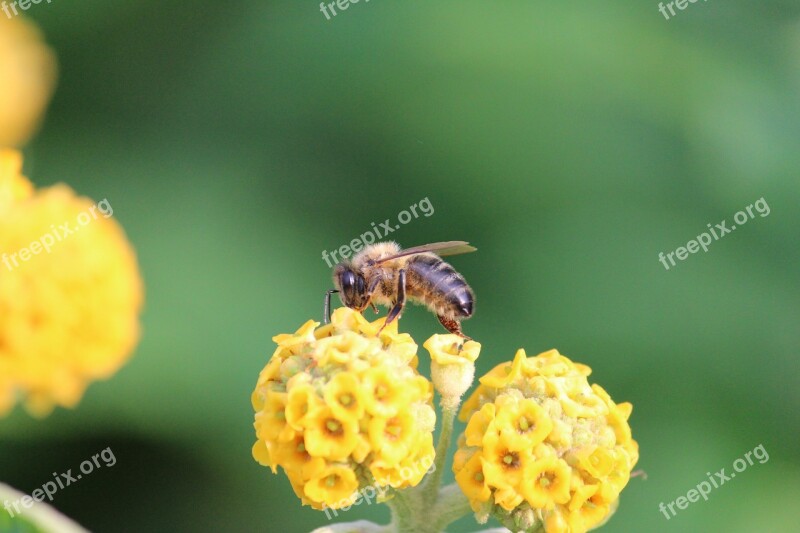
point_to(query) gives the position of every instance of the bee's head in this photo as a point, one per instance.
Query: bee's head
(351, 285)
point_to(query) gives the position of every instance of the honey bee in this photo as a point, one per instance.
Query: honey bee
(384, 274)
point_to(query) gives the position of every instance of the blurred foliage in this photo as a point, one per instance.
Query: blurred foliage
(15, 524)
(570, 142)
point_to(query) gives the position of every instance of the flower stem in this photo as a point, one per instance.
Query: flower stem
(430, 491)
(402, 513)
(451, 505)
(41, 515)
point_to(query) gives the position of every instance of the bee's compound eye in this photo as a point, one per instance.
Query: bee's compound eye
(348, 281)
(360, 287)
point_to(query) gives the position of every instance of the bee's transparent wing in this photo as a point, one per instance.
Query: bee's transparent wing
(439, 248)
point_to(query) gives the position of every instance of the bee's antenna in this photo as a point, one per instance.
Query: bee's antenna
(326, 310)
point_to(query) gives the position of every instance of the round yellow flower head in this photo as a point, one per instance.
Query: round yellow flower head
(70, 292)
(543, 449)
(341, 408)
(27, 79)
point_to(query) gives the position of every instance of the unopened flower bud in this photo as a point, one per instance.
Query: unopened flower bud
(452, 366)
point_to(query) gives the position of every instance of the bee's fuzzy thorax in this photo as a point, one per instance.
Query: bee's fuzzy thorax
(374, 252)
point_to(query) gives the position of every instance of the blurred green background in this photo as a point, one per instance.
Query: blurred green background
(570, 143)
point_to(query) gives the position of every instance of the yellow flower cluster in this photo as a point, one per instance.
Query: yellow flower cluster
(27, 79)
(341, 408)
(68, 315)
(543, 448)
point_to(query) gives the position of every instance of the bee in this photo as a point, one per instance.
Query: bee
(384, 274)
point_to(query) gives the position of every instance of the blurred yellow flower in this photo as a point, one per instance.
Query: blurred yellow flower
(339, 408)
(544, 448)
(14, 187)
(27, 80)
(70, 293)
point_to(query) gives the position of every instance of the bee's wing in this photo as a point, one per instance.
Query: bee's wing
(439, 248)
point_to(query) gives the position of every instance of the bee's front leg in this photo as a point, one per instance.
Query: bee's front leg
(370, 292)
(326, 307)
(400, 302)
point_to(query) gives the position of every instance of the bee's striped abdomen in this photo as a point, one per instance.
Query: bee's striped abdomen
(439, 286)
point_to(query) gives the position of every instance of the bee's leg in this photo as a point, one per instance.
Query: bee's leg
(326, 308)
(399, 303)
(370, 292)
(453, 326)
(374, 308)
